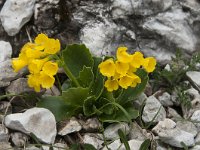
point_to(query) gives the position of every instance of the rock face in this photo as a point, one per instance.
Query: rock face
(15, 14)
(194, 77)
(38, 121)
(153, 108)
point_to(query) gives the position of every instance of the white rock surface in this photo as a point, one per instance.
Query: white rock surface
(172, 135)
(4, 135)
(165, 99)
(194, 77)
(70, 126)
(39, 121)
(173, 26)
(93, 139)
(196, 147)
(196, 118)
(5, 50)
(151, 109)
(15, 13)
(19, 139)
(111, 132)
(187, 126)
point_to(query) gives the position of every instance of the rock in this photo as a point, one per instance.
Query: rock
(193, 5)
(196, 118)
(5, 50)
(69, 126)
(19, 139)
(5, 146)
(151, 109)
(61, 146)
(39, 121)
(4, 135)
(93, 139)
(136, 132)
(5, 107)
(172, 114)
(114, 145)
(134, 144)
(91, 124)
(187, 126)
(15, 14)
(172, 25)
(194, 77)
(52, 92)
(165, 99)
(111, 132)
(170, 134)
(32, 148)
(140, 100)
(196, 147)
(197, 138)
(19, 86)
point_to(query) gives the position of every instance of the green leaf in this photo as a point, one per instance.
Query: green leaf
(97, 61)
(75, 57)
(89, 106)
(56, 105)
(105, 106)
(132, 93)
(88, 147)
(86, 77)
(123, 139)
(145, 145)
(75, 96)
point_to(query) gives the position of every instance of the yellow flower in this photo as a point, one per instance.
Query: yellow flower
(126, 81)
(36, 65)
(52, 46)
(136, 80)
(137, 60)
(121, 67)
(18, 64)
(46, 80)
(149, 64)
(111, 85)
(123, 56)
(34, 81)
(107, 68)
(41, 39)
(33, 53)
(50, 68)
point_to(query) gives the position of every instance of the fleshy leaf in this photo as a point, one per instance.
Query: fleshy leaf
(89, 106)
(76, 56)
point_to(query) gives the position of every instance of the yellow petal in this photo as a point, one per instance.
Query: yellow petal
(107, 68)
(123, 56)
(52, 46)
(33, 81)
(41, 39)
(18, 64)
(149, 64)
(137, 60)
(36, 65)
(111, 85)
(47, 81)
(50, 68)
(125, 81)
(121, 67)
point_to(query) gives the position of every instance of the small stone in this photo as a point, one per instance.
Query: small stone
(4, 135)
(165, 99)
(197, 138)
(60, 146)
(39, 121)
(15, 14)
(140, 100)
(52, 92)
(91, 124)
(32, 148)
(196, 118)
(194, 77)
(5, 107)
(151, 109)
(196, 147)
(19, 86)
(114, 145)
(5, 50)
(5, 146)
(69, 126)
(19, 139)
(111, 132)
(134, 144)
(172, 114)
(187, 126)
(93, 139)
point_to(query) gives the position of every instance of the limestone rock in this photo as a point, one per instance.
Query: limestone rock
(151, 109)
(196, 118)
(5, 50)
(4, 135)
(187, 126)
(19, 139)
(39, 121)
(93, 139)
(91, 124)
(194, 77)
(165, 99)
(15, 14)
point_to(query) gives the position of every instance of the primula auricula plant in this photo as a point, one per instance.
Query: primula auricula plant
(95, 87)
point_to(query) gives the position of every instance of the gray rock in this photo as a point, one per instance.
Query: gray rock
(134, 144)
(111, 132)
(32, 148)
(15, 14)
(196, 147)
(197, 138)
(187, 126)
(4, 135)
(54, 91)
(165, 99)
(5, 50)
(69, 126)
(194, 77)
(61, 146)
(170, 134)
(93, 139)
(140, 100)
(19, 139)
(151, 108)
(196, 118)
(193, 5)
(172, 114)
(19, 86)
(91, 124)
(173, 26)
(5, 107)
(5, 146)
(39, 121)
(114, 145)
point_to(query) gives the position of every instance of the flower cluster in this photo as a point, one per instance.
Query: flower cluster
(37, 56)
(121, 73)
